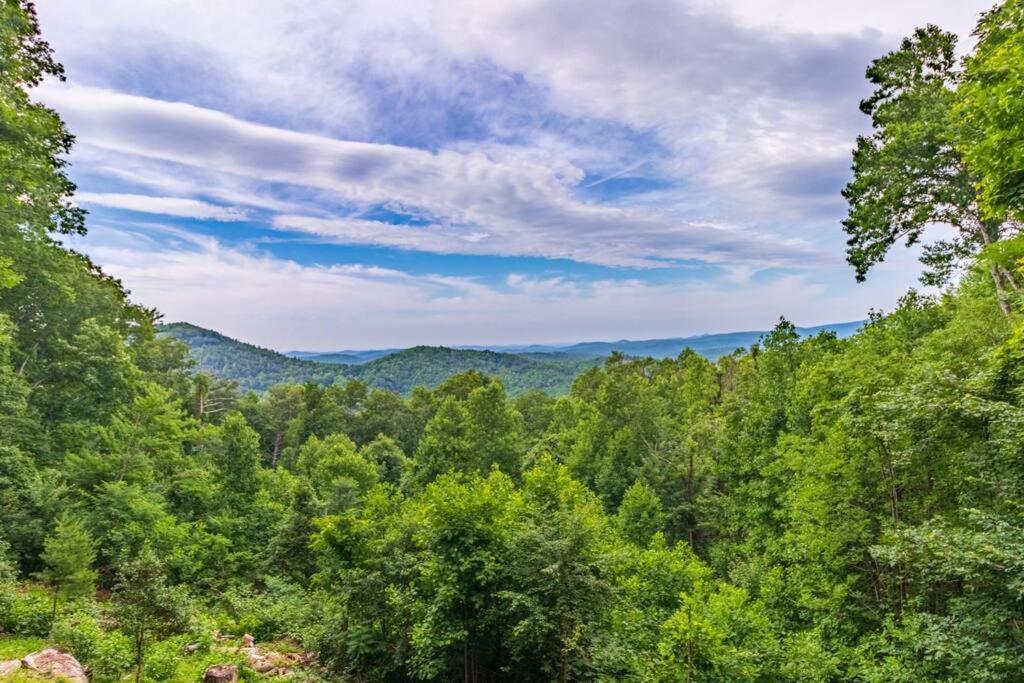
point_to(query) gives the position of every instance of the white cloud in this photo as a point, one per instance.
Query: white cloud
(745, 109)
(741, 91)
(282, 304)
(513, 206)
(166, 206)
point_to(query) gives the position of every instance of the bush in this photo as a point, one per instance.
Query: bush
(162, 659)
(277, 612)
(106, 654)
(113, 657)
(200, 631)
(27, 614)
(78, 632)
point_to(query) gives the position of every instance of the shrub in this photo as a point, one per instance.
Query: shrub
(162, 659)
(112, 659)
(277, 612)
(108, 655)
(27, 614)
(79, 632)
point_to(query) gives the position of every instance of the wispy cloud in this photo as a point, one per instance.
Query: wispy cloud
(634, 140)
(483, 206)
(355, 305)
(167, 206)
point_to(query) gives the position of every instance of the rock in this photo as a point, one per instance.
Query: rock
(9, 667)
(192, 648)
(248, 641)
(55, 664)
(221, 673)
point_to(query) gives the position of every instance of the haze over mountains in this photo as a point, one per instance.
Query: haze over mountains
(710, 346)
(546, 367)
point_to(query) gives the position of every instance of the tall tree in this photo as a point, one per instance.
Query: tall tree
(909, 174)
(991, 110)
(35, 192)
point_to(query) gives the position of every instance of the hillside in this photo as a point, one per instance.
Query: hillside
(252, 366)
(257, 369)
(711, 346)
(548, 368)
(430, 365)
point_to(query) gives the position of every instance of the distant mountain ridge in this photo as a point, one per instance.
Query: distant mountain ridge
(256, 368)
(547, 367)
(711, 346)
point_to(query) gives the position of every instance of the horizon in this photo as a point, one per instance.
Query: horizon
(442, 174)
(511, 346)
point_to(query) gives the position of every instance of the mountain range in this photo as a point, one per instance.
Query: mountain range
(711, 346)
(547, 367)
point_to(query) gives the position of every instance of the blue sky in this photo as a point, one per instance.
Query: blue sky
(326, 175)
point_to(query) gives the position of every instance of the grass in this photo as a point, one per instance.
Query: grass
(16, 647)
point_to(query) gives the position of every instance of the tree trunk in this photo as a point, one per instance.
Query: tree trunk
(278, 438)
(1004, 305)
(989, 233)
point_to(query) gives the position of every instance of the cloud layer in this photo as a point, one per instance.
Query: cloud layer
(284, 304)
(656, 149)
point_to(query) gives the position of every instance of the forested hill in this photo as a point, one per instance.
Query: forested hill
(428, 366)
(258, 369)
(253, 367)
(548, 368)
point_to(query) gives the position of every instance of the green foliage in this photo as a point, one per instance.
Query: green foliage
(108, 654)
(34, 190)
(145, 606)
(29, 613)
(910, 174)
(69, 555)
(813, 509)
(990, 110)
(278, 611)
(640, 514)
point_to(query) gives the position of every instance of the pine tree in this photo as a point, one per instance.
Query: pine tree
(69, 554)
(145, 606)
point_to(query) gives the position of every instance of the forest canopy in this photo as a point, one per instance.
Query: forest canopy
(811, 509)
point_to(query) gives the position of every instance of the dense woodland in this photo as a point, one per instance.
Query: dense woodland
(816, 509)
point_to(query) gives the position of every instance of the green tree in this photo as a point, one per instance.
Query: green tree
(290, 554)
(991, 112)
(282, 404)
(146, 607)
(559, 578)
(444, 445)
(35, 192)
(339, 474)
(391, 462)
(640, 514)
(909, 174)
(69, 555)
(236, 453)
(494, 429)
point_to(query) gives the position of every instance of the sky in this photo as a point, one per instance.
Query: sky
(318, 175)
